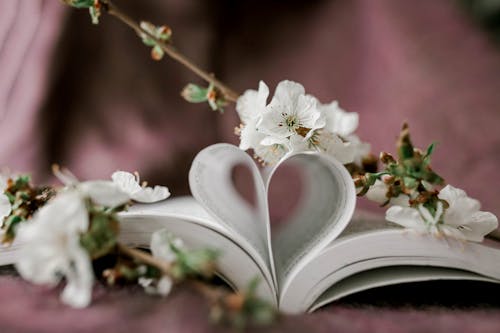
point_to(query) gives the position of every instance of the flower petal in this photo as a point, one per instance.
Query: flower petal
(66, 211)
(160, 245)
(79, 278)
(149, 195)
(104, 192)
(287, 92)
(377, 192)
(406, 217)
(481, 224)
(339, 121)
(252, 103)
(129, 184)
(164, 286)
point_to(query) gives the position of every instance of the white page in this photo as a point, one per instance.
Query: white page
(328, 204)
(374, 249)
(186, 219)
(212, 186)
(392, 275)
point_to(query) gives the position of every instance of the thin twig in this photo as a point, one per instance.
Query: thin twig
(211, 293)
(145, 257)
(229, 94)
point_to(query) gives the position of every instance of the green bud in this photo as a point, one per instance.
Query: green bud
(79, 3)
(193, 93)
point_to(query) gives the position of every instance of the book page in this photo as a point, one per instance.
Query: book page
(212, 186)
(326, 208)
(359, 252)
(185, 218)
(387, 276)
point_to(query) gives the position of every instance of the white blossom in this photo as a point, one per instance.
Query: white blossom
(294, 121)
(271, 154)
(333, 145)
(102, 192)
(52, 249)
(161, 287)
(160, 246)
(462, 219)
(130, 184)
(359, 149)
(464, 214)
(252, 104)
(290, 111)
(378, 193)
(250, 107)
(339, 121)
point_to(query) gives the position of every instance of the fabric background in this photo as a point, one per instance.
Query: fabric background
(91, 99)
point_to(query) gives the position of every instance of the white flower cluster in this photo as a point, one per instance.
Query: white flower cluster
(51, 239)
(461, 219)
(294, 121)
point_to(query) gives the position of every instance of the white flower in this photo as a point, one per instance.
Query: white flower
(339, 121)
(461, 220)
(250, 107)
(252, 104)
(378, 193)
(358, 148)
(290, 111)
(52, 248)
(160, 245)
(250, 138)
(102, 192)
(270, 154)
(294, 121)
(161, 287)
(129, 184)
(333, 145)
(161, 241)
(123, 187)
(464, 214)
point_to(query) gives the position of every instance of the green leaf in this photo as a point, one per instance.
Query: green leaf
(22, 181)
(428, 153)
(193, 262)
(10, 226)
(101, 237)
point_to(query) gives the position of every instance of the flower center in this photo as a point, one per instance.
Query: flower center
(291, 122)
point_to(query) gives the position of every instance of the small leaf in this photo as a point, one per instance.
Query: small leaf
(428, 153)
(101, 237)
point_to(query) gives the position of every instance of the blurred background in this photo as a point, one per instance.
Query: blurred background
(90, 98)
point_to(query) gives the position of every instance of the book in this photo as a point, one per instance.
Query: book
(324, 251)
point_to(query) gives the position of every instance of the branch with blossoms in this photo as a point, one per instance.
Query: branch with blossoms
(217, 94)
(65, 231)
(417, 199)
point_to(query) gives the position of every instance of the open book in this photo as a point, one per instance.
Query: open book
(324, 251)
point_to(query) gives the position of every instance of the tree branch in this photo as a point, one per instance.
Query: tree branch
(229, 94)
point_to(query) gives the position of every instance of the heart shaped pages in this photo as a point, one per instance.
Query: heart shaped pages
(328, 203)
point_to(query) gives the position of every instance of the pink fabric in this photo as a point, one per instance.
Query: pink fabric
(29, 308)
(28, 32)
